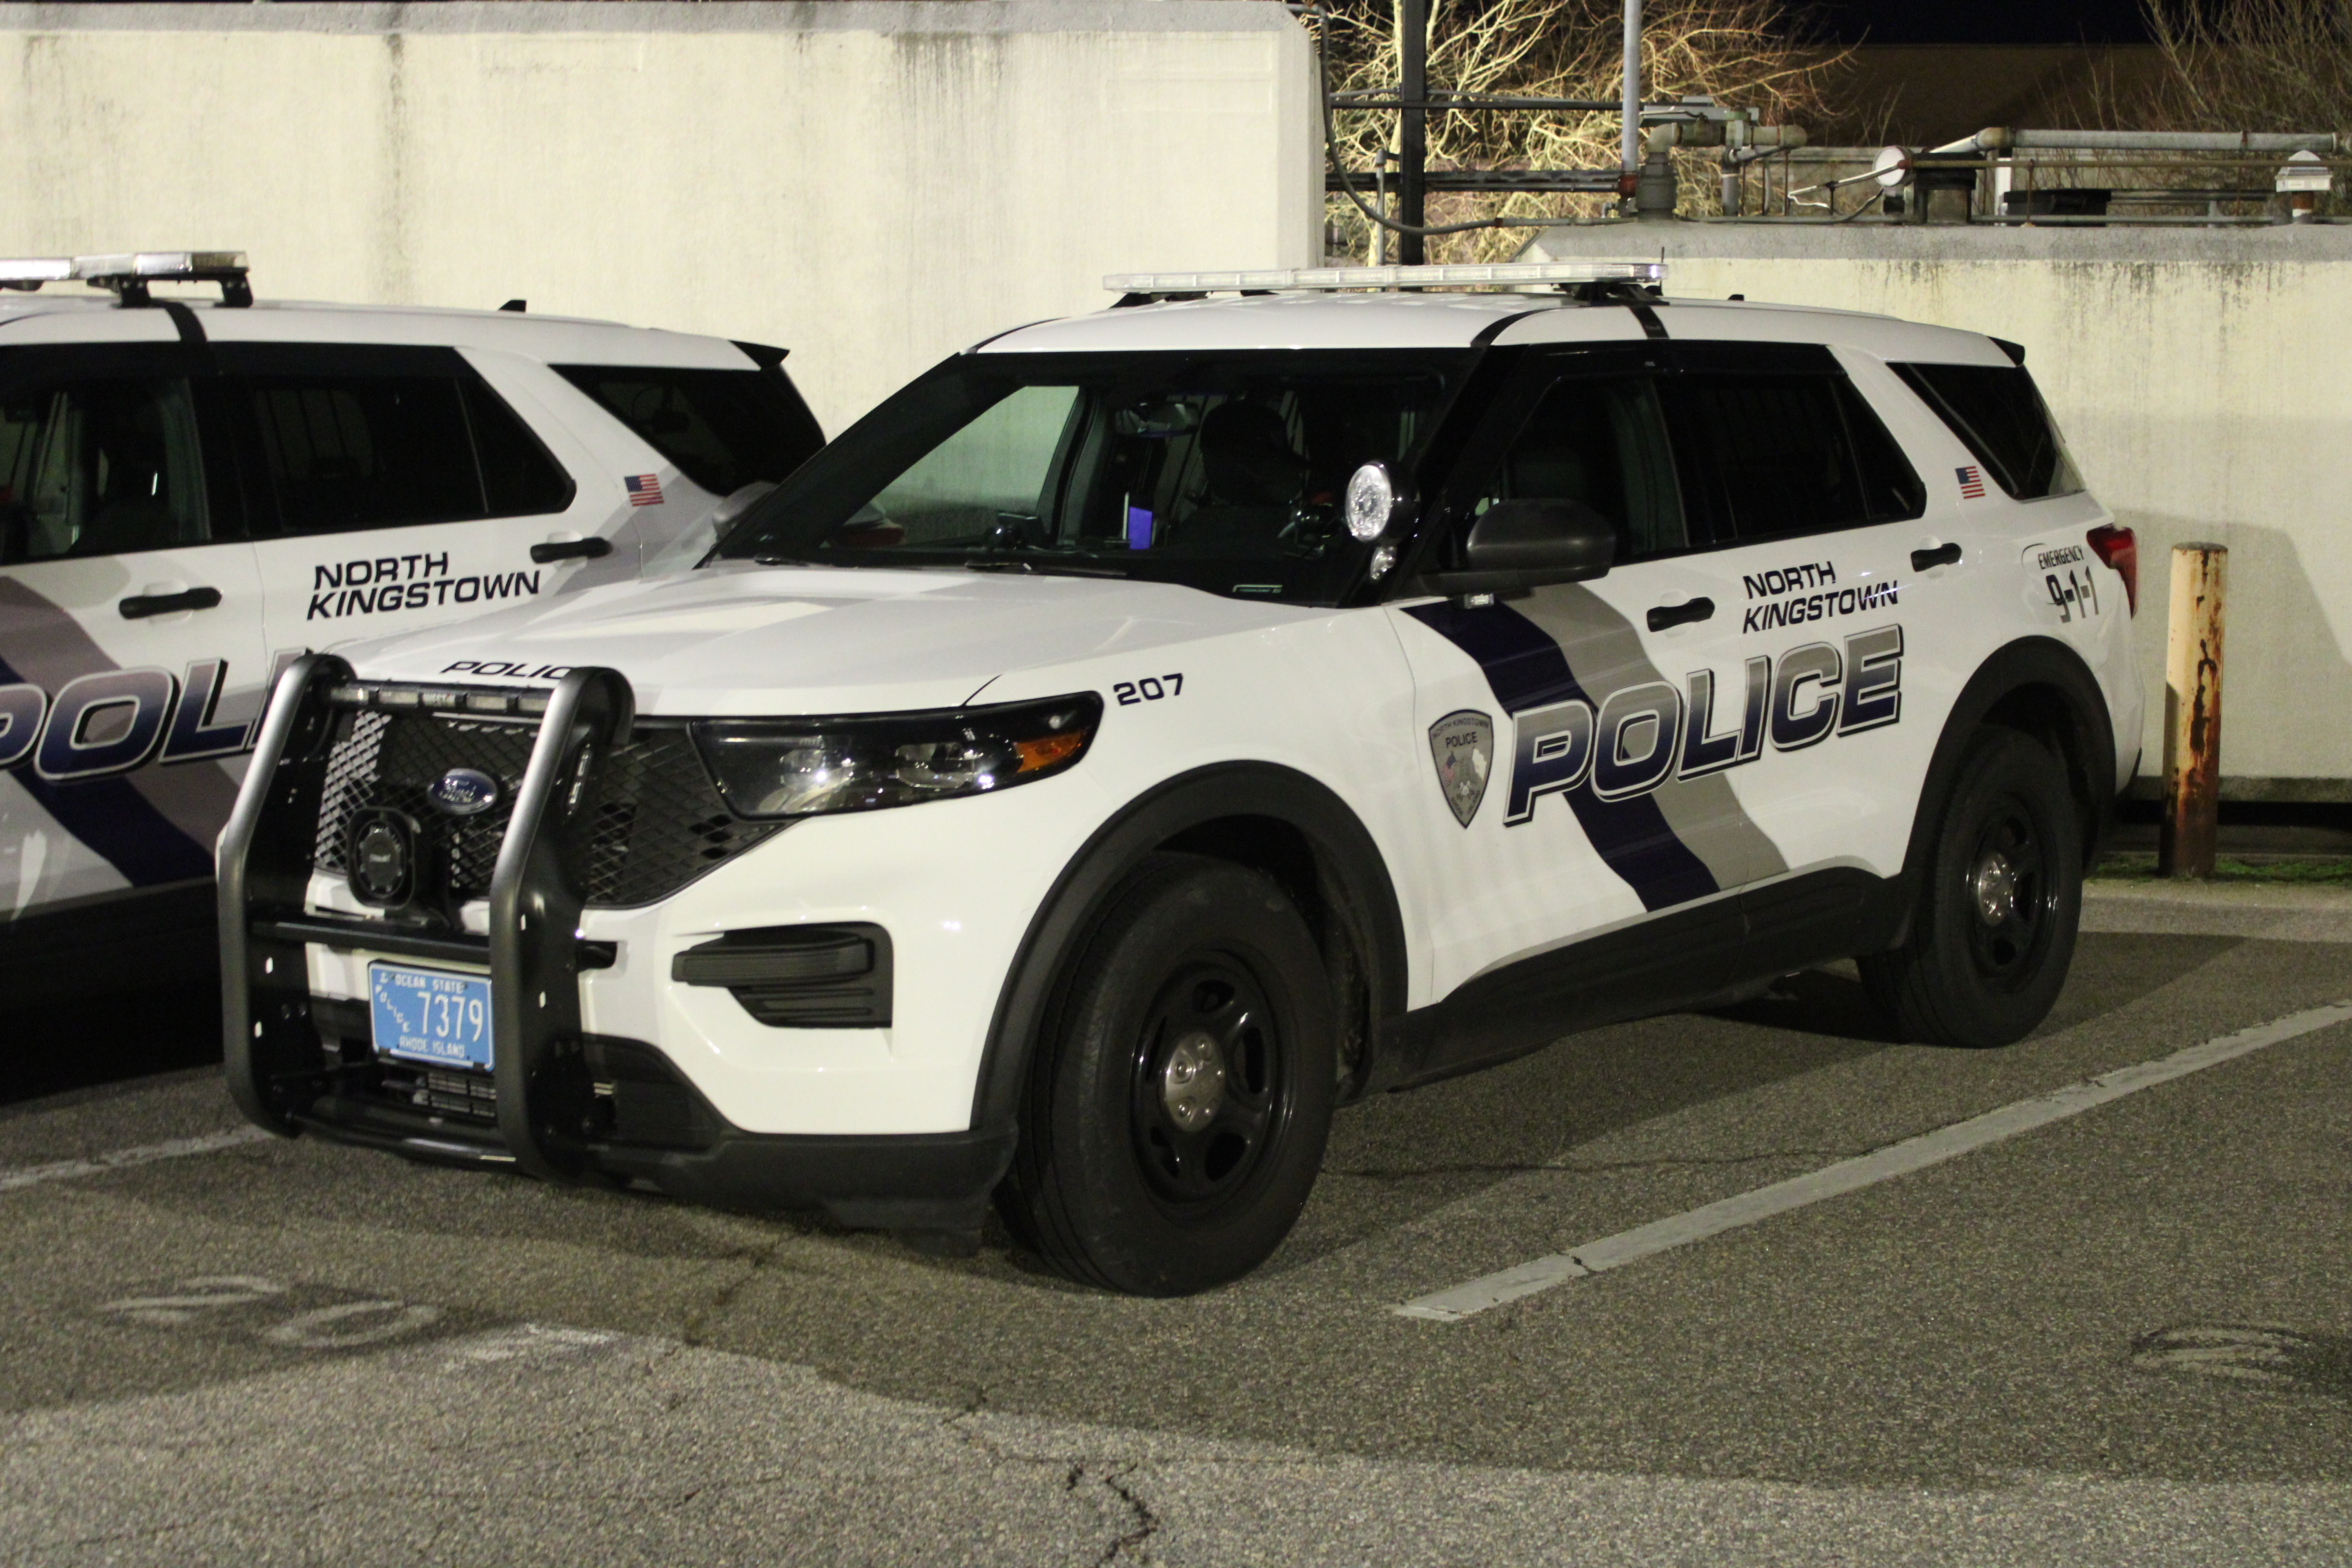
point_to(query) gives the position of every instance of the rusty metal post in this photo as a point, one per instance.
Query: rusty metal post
(2192, 712)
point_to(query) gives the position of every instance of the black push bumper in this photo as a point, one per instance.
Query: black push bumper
(559, 1102)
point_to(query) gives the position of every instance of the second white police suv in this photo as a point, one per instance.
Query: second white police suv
(193, 493)
(1147, 731)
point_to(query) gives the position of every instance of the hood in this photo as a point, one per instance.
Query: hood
(746, 640)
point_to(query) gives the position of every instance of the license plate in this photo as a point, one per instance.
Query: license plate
(430, 1015)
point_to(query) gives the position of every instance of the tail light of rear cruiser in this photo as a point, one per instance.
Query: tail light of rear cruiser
(2119, 549)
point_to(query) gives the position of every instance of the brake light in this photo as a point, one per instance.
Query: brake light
(2119, 549)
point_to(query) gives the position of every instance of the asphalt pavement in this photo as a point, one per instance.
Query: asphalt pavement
(2119, 1334)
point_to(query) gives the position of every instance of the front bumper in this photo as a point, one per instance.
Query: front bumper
(562, 1102)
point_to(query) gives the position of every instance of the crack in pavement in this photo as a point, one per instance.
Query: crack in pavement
(1129, 1544)
(1147, 1523)
(694, 1325)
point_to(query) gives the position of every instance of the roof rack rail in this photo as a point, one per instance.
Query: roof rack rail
(1144, 287)
(127, 276)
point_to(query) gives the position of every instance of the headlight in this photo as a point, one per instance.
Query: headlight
(784, 767)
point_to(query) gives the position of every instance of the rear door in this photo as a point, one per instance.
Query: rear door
(394, 489)
(131, 652)
(1811, 512)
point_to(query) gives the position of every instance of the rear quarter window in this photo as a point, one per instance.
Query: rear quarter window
(1998, 414)
(1769, 455)
(723, 429)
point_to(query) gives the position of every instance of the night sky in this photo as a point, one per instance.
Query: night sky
(1983, 22)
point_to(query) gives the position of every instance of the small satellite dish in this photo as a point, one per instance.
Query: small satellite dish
(1891, 167)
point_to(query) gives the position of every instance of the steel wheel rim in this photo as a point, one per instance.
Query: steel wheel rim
(2006, 896)
(1195, 1147)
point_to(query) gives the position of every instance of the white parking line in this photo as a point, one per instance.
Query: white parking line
(120, 1158)
(1848, 1175)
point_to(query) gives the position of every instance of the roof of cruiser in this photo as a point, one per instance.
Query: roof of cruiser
(1465, 319)
(69, 315)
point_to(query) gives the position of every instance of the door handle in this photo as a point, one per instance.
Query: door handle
(570, 550)
(1666, 615)
(1942, 555)
(139, 607)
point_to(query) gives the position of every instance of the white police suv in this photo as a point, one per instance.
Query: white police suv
(193, 494)
(1147, 731)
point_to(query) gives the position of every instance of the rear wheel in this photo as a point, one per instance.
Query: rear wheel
(1177, 1110)
(1993, 931)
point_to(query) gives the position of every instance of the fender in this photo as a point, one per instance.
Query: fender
(1353, 887)
(2085, 737)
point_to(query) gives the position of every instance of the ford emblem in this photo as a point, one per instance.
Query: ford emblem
(463, 791)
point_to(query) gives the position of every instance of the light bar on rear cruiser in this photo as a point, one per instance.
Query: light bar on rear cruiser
(30, 272)
(129, 273)
(1498, 275)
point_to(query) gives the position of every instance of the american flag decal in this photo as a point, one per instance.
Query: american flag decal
(645, 489)
(1971, 483)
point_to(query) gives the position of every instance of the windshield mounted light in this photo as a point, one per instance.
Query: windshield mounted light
(1371, 500)
(813, 767)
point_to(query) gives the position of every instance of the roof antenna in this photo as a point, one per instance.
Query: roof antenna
(517, 306)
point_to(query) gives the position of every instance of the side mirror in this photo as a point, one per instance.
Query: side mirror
(1527, 543)
(742, 499)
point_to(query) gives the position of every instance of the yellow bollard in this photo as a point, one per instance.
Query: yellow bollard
(2192, 712)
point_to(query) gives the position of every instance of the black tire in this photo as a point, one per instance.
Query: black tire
(1152, 1163)
(2000, 900)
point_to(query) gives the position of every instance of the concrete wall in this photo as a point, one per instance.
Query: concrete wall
(874, 185)
(2200, 376)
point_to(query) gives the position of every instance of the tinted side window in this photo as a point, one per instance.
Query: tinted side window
(1999, 414)
(102, 466)
(723, 429)
(385, 451)
(1600, 440)
(1781, 454)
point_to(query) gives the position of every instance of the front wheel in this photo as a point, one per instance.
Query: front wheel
(1178, 1106)
(1993, 931)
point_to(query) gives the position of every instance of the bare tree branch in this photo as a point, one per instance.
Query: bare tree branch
(1739, 52)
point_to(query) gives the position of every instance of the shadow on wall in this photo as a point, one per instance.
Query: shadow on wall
(2286, 687)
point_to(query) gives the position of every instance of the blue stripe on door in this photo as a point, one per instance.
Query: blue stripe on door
(1526, 668)
(115, 822)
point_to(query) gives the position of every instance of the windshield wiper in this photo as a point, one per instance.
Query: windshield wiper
(1049, 567)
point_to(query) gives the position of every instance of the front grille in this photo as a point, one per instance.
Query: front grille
(469, 1095)
(376, 1084)
(659, 822)
(655, 822)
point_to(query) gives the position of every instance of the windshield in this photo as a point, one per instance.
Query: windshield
(1224, 472)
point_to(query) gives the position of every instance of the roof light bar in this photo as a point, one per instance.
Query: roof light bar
(1498, 275)
(128, 274)
(30, 272)
(155, 264)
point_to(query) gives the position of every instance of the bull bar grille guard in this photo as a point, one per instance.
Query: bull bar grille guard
(272, 1046)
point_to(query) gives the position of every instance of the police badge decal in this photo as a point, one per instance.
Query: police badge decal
(1462, 744)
